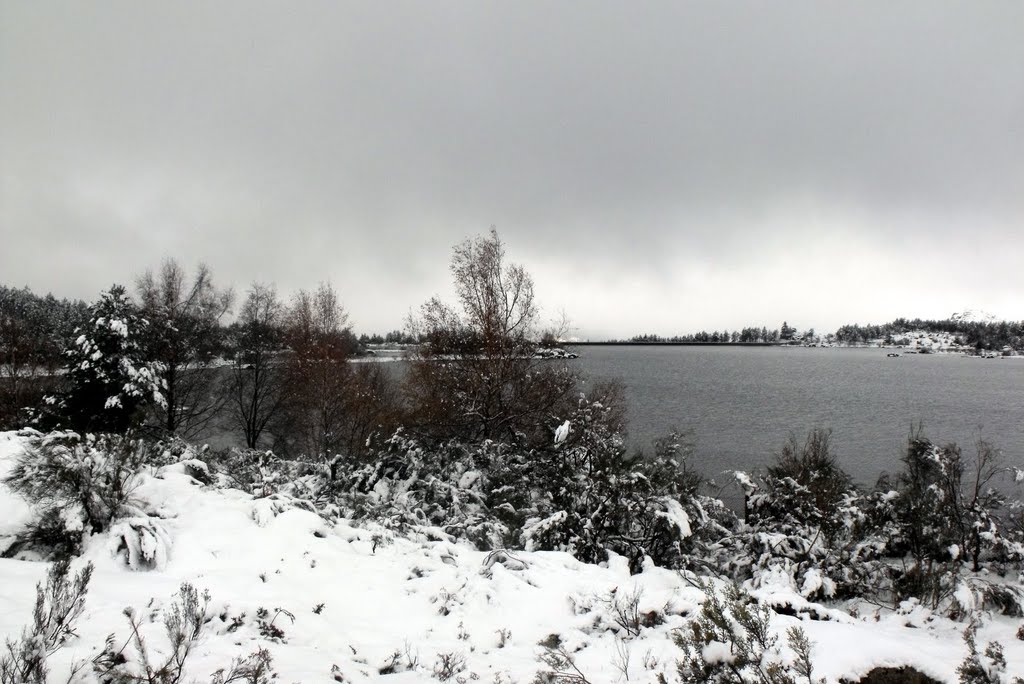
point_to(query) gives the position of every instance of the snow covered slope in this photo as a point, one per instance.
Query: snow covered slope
(353, 603)
(973, 316)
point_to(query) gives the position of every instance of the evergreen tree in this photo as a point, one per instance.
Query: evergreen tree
(109, 383)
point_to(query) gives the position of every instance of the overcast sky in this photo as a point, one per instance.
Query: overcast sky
(659, 167)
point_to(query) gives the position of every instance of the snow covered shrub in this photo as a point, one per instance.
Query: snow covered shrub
(809, 478)
(260, 472)
(79, 484)
(109, 383)
(448, 665)
(255, 668)
(183, 624)
(982, 668)
(942, 519)
(410, 484)
(730, 642)
(58, 605)
(562, 668)
(590, 497)
(824, 552)
(580, 493)
(919, 535)
(803, 519)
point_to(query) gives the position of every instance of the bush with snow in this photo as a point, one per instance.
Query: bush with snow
(79, 484)
(58, 605)
(582, 493)
(987, 667)
(411, 484)
(731, 642)
(804, 520)
(185, 622)
(590, 497)
(945, 520)
(141, 542)
(938, 532)
(260, 472)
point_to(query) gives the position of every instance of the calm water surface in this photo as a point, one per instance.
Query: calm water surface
(741, 403)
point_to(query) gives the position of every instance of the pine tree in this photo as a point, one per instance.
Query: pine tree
(109, 382)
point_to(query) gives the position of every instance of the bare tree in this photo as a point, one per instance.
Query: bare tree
(184, 336)
(317, 371)
(257, 383)
(476, 375)
(373, 407)
(333, 406)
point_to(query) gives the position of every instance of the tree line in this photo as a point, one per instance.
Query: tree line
(747, 335)
(978, 334)
(163, 359)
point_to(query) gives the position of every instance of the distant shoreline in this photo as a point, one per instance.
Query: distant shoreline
(676, 344)
(903, 350)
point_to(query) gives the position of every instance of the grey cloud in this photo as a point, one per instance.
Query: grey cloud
(357, 142)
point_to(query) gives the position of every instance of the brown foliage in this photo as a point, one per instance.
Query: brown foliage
(476, 376)
(333, 405)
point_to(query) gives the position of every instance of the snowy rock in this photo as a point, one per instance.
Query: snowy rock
(143, 543)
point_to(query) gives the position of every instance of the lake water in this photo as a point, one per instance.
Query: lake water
(741, 403)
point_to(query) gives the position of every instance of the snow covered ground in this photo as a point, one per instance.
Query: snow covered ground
(353, 603)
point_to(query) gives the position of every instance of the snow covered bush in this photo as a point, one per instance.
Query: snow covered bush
(261, 472)
(255, 668)
(982, 668)
(78, 484)
(924, 534)
(580, 493)
(591, 497)
(588, 496)
(730, 642)
(108, 383)
(803, 519)
(184, 622)
(809, 477)
(58, 605)
(945, 519)
(411, 484)
(562, 668)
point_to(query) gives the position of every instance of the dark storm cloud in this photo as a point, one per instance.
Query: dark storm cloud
(655, 166)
